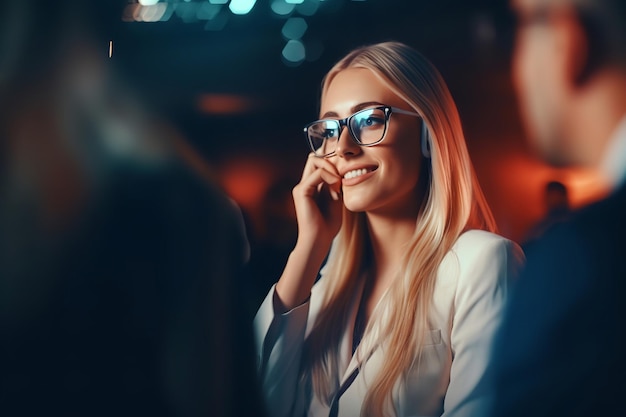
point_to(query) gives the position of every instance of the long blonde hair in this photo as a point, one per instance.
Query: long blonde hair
(452, 203)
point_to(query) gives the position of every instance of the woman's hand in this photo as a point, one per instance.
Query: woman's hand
(318, 203)
(317, 199)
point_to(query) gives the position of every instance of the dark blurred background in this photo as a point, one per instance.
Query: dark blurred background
(240, 78)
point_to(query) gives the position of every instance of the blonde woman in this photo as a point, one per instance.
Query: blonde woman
(402, 316)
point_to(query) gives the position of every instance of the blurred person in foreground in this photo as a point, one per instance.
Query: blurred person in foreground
(561, 347)
(118, 261)
(557, 208)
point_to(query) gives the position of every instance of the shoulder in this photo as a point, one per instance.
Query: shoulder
(602, 225)
(588, 250)
(475, 242)
(480, 257)
(590, 239)
(476, 247)
(472, 285)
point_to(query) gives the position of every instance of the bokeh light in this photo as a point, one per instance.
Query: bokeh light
(241, 7)
(218, 22)
(294, 52)
(147, 13)
(208, 11)
(226, 104)
(153, 13)
(215, 16)
(282, 8)
(294, 28)
(188, 12)
(308, 7)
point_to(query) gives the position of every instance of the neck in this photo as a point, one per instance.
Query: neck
(389, 237)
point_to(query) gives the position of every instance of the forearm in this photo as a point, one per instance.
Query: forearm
(303, 265)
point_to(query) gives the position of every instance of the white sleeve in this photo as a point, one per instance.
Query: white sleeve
(279, 339)
(485, 271)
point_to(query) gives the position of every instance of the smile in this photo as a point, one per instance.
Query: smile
(357, 173)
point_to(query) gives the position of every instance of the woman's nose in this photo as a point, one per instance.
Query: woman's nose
(346, 144)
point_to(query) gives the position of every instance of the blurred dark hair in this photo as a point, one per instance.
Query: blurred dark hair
(605, 24)
(556, 186)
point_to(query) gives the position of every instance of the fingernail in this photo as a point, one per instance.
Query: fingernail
(334, 195)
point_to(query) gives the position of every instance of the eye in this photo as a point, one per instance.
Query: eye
(329, 133)
(371, 121)
(322, 130)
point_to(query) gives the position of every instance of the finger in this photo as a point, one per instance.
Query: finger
(315, 182)
(334, 190)
(328, 170)
(309, 166)
(311, 184)
(314, 162)
(331, 179)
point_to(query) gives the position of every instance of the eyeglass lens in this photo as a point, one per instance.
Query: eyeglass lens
(367, 127)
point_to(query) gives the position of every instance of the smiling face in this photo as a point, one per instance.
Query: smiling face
(382, 178)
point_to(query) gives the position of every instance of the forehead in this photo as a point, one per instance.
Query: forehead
(355, 82)
(353, 86)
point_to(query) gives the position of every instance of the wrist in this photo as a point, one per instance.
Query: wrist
(313, 249)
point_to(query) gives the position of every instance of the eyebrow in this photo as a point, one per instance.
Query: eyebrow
(354, 109)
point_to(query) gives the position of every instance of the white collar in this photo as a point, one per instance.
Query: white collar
(613, 165)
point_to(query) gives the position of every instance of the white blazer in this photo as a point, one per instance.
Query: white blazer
(452, 379)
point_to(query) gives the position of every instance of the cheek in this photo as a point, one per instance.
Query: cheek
(333, 161)
(531, 81)
(410, 155)
(524, 70)
(403, 170)
(530, 58)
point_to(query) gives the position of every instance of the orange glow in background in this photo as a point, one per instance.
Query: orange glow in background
(226, 104)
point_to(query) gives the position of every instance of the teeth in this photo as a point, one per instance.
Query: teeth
(355, 173)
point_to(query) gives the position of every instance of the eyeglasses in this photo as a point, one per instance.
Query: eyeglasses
(367, 128)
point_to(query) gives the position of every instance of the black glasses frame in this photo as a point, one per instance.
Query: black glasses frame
(388, 111)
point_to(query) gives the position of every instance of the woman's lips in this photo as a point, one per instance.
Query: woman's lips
(356, 176)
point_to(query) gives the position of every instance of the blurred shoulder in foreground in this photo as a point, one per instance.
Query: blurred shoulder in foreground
(119, 256)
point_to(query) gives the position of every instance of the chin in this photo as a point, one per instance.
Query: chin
(555, 153)
(355, 205)
(558, 159)
(355, 208)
